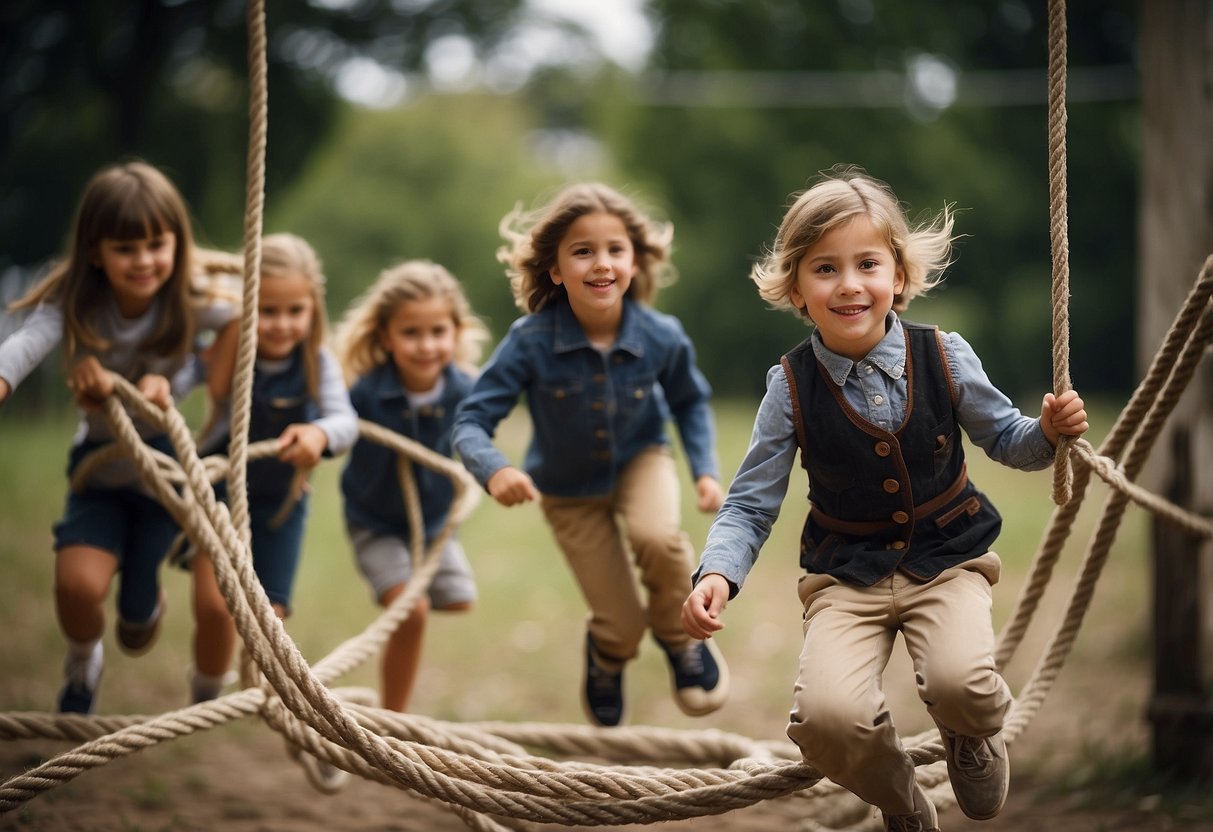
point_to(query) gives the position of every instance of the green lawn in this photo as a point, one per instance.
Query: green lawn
(517, 655)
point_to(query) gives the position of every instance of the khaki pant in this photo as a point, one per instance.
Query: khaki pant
(840, 720)
(595, 533)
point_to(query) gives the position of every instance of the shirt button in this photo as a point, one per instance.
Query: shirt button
(600, 434)
(878, 399)
(602, 455)
(597, 406)
(639, 394)
(897, 544)
(559, 393)
(599, 377)
(891, 486)
(900, 517)
(883, 449)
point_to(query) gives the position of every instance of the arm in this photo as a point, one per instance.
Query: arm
(26, 348)
(989, 418)
(757, 491)
(688, 394)
(338, 419)
(501, 383)
(220, 361)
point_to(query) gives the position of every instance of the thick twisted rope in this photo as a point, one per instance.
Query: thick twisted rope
(1059, 240)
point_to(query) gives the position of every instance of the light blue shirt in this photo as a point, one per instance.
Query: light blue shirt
(877, 388)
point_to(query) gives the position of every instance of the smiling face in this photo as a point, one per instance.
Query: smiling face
(285, 312)
(420, 336)
(846, 283)
(595, 262)
(136, 269)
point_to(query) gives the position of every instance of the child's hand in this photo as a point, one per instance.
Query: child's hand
(90, 383)
(157, 390)
(5, 389)
(1062, 415)
(702, 608)
(301, 445)
(509, 486)
(710, 494)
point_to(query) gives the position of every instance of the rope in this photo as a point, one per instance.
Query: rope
(1059, 236)
(483, 771)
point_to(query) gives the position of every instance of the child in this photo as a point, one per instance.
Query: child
(409, 346)
(299, 397)
(122, 301)
(602, 373)
(897, 539)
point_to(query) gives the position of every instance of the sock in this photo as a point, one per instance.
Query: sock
(90, 652)
(205, 687)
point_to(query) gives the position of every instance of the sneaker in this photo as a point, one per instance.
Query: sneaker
(699, 675)
(137, 639)
(979, 771)
(602, 693)
(81, 677)
(204, 687)
(922, 819)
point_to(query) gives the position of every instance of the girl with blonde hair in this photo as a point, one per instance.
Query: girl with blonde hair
(409, 347)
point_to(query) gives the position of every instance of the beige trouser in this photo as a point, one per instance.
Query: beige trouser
(840, 719)
(644, 509)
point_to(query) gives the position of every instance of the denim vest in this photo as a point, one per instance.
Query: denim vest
(370, 484)
(279, 400)
(882, 501)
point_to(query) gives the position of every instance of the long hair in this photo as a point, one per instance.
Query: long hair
(285, 254)
(127, 201)
(533, 237)
(842, 193)
(359, 344)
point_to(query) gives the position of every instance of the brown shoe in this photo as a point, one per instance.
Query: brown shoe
(922, 819)
(137, 639)
(980, 772)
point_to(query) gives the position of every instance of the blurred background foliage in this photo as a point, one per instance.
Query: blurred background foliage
(407, 128)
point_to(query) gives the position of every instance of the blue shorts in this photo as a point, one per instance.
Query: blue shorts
(276, 546)
(128, 524)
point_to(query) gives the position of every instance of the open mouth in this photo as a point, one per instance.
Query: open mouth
(849, 311)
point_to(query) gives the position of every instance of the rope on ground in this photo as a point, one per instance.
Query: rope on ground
(483, 772)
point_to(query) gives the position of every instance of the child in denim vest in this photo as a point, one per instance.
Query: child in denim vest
(409, 347)
(602, 373)
(299, 398)
(124, 300)
(897, 539)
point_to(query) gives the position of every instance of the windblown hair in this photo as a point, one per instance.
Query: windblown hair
(128, 201)
(284, 255)
(533, 237)
(359, 343)
(923, 251)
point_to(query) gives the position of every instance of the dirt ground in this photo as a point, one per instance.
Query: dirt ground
(238, 778)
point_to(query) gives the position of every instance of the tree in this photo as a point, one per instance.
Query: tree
(88, 83)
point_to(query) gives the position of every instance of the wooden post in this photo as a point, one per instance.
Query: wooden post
(1176, 235)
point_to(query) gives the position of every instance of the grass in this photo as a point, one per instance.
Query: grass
(517, 655)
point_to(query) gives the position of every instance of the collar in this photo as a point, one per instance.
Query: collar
(889, 355)
(385, 382)
(570, 336)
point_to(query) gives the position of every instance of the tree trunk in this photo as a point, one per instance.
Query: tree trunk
(1176, 236)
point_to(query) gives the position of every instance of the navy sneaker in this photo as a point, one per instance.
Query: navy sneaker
(81, 676)
(699, 675)
(602, 693)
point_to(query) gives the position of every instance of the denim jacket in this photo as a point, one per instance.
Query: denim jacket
(591, 410)
(370, 485)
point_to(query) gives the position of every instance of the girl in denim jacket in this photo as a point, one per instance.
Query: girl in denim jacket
(409, 348)
(602, 373)
(897, 539)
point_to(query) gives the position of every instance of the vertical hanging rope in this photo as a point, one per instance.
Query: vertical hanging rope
(1058, 236)
(246, 354)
